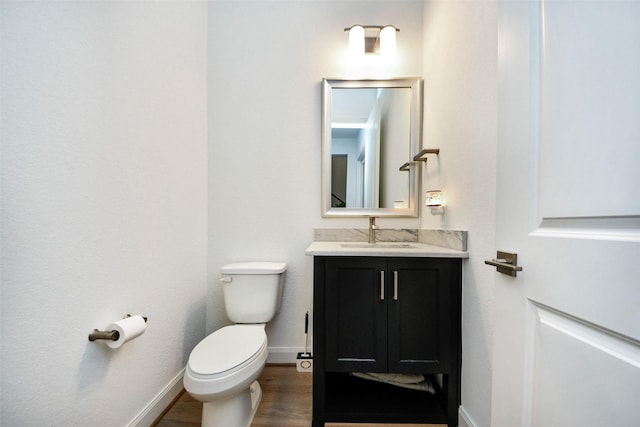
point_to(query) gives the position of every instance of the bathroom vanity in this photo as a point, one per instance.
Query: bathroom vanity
(385, 308)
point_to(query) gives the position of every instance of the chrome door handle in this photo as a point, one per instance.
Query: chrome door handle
(382, 285)
(506, 263)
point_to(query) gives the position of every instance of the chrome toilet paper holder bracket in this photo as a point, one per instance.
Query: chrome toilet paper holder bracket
(108, 335)
(104, 335)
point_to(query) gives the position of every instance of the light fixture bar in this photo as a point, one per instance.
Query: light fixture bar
(371, 27)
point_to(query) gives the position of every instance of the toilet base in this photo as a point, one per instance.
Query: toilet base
(256, 397)
(237, 410)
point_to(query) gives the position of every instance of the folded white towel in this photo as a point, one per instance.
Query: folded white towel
(398, 378)
(405, 380)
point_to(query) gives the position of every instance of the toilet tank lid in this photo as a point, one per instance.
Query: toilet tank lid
(254, 267)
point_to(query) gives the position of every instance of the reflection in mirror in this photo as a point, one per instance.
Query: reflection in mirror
(370, 131)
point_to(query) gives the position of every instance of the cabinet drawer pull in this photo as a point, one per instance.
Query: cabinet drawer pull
(395, 285)
(382, 285)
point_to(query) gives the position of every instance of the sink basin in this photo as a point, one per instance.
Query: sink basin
(377, 245)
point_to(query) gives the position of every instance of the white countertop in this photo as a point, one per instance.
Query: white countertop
(393, 249)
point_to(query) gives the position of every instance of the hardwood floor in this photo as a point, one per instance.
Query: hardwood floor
(286, 402)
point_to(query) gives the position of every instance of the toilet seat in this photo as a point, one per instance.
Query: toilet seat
(226, 350)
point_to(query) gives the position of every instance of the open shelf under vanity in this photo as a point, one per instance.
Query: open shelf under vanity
(352, 399)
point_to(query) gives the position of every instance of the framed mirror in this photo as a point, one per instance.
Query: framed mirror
(370, 131)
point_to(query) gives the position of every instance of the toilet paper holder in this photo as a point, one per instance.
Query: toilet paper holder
(108, 335)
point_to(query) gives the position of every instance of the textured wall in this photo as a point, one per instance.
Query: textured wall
(104, 115)
(266, 62)
(104, 157)
(460, 66)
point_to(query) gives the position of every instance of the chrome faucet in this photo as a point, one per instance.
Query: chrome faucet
(372, 229)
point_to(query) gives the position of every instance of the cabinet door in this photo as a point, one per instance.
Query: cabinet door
(356, 315)
(419, 315)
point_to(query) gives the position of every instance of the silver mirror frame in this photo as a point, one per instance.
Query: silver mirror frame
(415, 169)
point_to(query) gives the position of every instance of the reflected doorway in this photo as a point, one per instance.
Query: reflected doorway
(339, 180)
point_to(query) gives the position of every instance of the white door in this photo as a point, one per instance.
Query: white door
(567, 327)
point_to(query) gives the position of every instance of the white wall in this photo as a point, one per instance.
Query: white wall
(264, 138)
(396, 108)
(104, 160)
(104, 178)
(266, 63)
(460, 66)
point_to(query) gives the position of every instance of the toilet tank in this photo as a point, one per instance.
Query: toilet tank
(252, 290)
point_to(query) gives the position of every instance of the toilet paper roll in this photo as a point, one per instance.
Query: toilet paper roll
(128, 328)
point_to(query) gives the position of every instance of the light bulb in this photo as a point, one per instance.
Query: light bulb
(356, 40)
(388, 41)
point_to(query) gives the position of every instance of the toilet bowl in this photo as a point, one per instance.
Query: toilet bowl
(223, 368)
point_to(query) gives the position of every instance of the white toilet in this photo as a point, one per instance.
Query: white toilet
(223, 368)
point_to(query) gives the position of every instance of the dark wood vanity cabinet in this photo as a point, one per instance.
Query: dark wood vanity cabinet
(385, 315)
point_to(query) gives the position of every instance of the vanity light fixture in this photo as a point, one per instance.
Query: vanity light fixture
(372, 39)
(434, 200)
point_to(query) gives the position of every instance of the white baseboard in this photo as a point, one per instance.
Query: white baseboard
(159, 403)
(276, 355)
(284, 354)
(464, 419)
